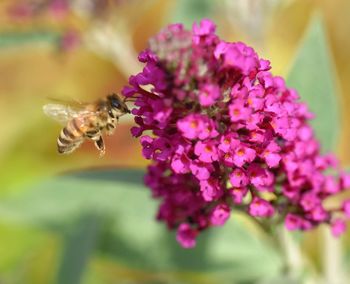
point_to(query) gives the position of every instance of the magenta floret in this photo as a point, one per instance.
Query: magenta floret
(224, 133)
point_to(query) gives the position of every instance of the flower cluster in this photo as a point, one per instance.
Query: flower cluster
(223, 134)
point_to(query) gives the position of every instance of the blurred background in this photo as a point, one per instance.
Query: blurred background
(84, 219)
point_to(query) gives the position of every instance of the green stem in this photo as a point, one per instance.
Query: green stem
(292, 256)
(333, 269)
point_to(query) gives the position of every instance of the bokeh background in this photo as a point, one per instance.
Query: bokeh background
(84, 219)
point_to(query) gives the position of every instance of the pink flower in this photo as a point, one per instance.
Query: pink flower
(238, 111)
(205, 28)
(266, 79)
(293, 222)
(292, 193)
(162, 149)
(220, 215)
(318, 213)
(261, 178)
(197, 126)
(200, 170)
(180, 164)
(331, 186)
(345, 180)
(309, 201)
(208, 95)
(206, 151)
(186, 236)
(256, 99)
(346, 208)
(338, 227)
(147, 146)
(271, 154)
(158, 149)
(258, 136)
(261, 208)
(283, 126)
(242, 155)
(238, 178)
(253, 121)
(305, 133)
(238, 193)
(240, 56)
(228, 142)
(210, 189)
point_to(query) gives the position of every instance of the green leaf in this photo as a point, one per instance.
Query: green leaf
(312, 76)
(129, 233)
(79, 244)
(21, 38)
(58, 200)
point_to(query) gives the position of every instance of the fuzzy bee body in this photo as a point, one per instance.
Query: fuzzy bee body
(89, 121)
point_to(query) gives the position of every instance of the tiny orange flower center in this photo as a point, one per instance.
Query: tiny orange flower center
(236, 111)
(240, 152)
(208, 149)
(193, 124)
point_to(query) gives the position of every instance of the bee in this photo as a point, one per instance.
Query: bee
(86, 121)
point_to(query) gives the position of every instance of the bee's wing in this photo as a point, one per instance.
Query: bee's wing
(73, 103)
(63, 113)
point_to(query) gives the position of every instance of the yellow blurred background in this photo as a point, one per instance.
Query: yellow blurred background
(87, 51)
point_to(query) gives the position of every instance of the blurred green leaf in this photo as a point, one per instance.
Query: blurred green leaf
(132, 237)
(21, 38)
(189, 11)
(79, 244)
(312, 76)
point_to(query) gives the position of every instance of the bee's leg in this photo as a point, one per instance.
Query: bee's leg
(92, 134)
(100, 145)
(110, 128)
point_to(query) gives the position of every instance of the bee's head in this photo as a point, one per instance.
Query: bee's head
(118, 104)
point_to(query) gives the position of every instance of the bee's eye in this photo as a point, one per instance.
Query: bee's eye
(115, 103)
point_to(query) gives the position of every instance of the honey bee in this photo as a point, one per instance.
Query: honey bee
(86, 121)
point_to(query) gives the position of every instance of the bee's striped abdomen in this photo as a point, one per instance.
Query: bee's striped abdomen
(70, 137)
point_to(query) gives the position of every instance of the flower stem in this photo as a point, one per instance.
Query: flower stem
(332, 259)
